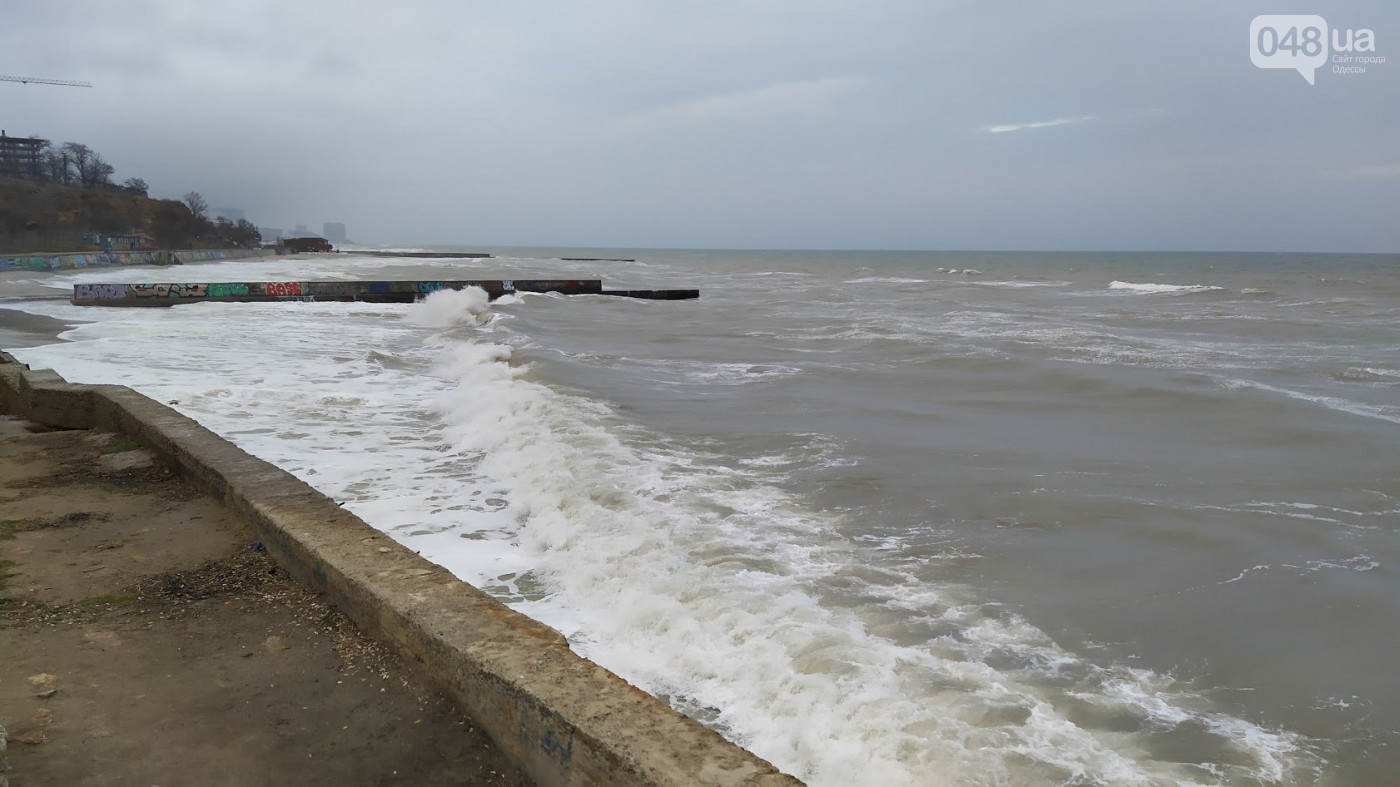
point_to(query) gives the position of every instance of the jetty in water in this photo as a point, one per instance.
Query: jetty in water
(170, 294)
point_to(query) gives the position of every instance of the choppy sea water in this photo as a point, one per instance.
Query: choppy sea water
(1069, 518)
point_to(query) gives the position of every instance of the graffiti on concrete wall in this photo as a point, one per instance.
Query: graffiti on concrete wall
(227, 289)
(177, 290)
(53, 262)
(97, 292)
(60, 261)
(24, 264)
(282, 288)
(169, 290)
(163, 294)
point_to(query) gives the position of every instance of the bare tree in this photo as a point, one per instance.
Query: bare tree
(86, 166)
(246, 234)
(98, 172)
(79, 158)
(136, 186)
(197, 204)
(54, 162)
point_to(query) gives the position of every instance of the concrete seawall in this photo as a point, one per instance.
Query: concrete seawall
(98, 259)
(564, 719)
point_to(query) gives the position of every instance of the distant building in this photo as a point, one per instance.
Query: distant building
(299, 231)
(333, 231)
(313, 243)
(270, 234)
(20, 157)
(232, 214)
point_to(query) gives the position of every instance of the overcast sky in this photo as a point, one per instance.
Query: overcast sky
(719, 123)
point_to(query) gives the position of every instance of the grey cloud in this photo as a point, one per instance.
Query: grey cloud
(782, 123)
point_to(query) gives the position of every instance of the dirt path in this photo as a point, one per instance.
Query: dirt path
(145, 639)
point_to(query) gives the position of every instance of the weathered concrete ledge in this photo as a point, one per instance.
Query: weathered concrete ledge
(434, 255)
(564, 719)
(170, 294)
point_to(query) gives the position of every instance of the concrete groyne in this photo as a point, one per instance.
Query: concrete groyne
(564, 719)
(172, 293)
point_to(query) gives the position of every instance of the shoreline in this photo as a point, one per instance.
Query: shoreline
(562, 718)
(20, 328)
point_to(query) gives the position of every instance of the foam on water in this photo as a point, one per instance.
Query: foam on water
(701, 580)
(701, 584)
(451, 308)
(1387, 413)
(1021, 284)
(1149, 288)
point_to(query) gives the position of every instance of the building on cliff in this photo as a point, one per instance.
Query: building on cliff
(20, 157)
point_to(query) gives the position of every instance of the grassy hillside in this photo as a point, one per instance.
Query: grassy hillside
(45, 217)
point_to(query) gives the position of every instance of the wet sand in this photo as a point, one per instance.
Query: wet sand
(19, 328)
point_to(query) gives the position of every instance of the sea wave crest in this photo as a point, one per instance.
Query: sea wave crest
(1149, 288)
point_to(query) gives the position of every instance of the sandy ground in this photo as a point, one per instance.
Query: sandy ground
(21, 329)
(146, 640)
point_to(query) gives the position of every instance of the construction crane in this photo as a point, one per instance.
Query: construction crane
(38, 81)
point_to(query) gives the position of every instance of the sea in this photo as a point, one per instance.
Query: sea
(882, 518)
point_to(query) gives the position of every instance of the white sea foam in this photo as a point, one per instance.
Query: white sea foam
(448, 308)
(694, 582)
(681, 372)
(1021, 284)
(702, 582)
(1161, 289)
(1379, 412)
(1357, 563)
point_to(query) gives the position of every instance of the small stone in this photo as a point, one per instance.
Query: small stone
(42, 679)
(46, 693)
(126, 461)
(383, 549)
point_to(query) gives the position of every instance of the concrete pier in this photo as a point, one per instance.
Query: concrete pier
(436, 255)
(169, 294)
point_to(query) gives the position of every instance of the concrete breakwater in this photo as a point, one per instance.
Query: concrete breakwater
(54, 262)
(564, 719)
(169, 294)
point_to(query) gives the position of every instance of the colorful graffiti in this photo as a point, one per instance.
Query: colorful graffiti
(32, 263)
(163, 294)
(282, 288)
(53, 262)
(228, 289)
(62, 261)
(169, 290)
